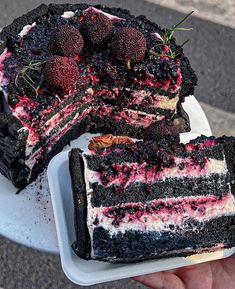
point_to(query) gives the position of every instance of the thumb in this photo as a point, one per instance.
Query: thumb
(161, 280)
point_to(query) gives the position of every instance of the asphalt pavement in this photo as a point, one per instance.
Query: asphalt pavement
(211, 53)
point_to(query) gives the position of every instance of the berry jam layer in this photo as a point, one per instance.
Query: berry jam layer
(160, 215)
(125, 174)
(157, 151)
(135, 245)
(4, 80)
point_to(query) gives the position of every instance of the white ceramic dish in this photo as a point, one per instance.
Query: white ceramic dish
(28, 217)
(92, 272)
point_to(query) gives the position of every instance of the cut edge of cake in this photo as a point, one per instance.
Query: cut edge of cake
(99, 243)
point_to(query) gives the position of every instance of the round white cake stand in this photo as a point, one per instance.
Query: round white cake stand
(27, 218)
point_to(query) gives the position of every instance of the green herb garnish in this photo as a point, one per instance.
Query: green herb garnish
(168, 36)
(171, 54)
(24, 74)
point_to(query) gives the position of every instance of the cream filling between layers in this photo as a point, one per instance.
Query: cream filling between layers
(155, 101)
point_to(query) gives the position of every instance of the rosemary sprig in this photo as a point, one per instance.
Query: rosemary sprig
(167, 37)
(171, 54)
(24, 74)
(185, 42)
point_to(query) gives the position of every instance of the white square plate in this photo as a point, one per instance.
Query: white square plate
(84, 272)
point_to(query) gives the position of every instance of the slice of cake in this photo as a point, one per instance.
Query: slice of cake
(149, 199)
(70, 69)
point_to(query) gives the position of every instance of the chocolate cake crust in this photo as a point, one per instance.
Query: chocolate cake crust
(136, 192)
(82, 245)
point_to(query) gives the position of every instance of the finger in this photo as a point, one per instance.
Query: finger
(196, 276)
(161, 280)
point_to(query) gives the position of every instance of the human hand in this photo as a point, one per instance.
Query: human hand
(219, 274)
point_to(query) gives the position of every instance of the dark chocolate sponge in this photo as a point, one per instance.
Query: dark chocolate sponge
(162, 129)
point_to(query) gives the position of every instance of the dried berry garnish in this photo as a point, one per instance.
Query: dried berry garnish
(128, 45)
(96, 28)
(107, 140)
(122, 140)
(61, 74)
(66, 40)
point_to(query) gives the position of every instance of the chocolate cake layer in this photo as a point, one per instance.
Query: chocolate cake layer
(142, 192)
(152, 86)
(137, 245)
(12, 152)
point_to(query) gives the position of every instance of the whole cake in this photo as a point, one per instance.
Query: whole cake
(70, 69)
(137, 200)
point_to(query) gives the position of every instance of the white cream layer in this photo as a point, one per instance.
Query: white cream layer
(26, 29)
(158, 101)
